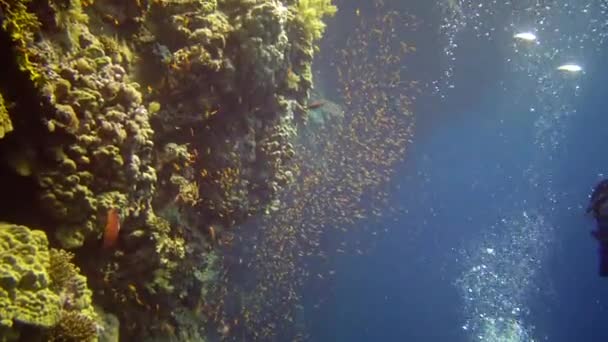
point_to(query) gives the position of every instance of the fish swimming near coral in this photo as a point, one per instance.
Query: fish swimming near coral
(315, 105)
(525, 36)
(110, 234)
(572, 68)
(212, 234)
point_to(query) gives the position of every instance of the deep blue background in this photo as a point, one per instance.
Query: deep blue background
(463, 173)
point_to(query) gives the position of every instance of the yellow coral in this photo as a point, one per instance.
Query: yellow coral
(5, 121)
(21, 25)
(310, 13)
(43, 287)
(24, 293)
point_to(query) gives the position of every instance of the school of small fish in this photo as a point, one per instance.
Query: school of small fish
(343, 173)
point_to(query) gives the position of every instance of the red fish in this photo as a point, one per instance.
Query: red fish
(110, 234)
(315, 105)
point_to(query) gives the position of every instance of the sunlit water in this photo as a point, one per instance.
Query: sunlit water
(500, 263)
(501, 267)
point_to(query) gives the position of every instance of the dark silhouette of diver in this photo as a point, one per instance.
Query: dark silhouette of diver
(598, 207)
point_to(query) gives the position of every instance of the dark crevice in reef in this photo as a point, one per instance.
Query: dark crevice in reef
(25, 145)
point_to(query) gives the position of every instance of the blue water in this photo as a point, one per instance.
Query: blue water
(477, 174)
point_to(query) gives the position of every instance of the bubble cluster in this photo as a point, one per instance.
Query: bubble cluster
(567, 31)
(535, 84)
(499, 275)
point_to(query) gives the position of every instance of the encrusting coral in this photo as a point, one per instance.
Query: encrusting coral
(213, 51)
(22, 26)
(25, 293)
(6, 125)
(42, 287)
(101, 156)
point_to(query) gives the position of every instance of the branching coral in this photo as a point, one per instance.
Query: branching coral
(69, 17)
(78, 319)
(170, 250)
(61, 269)
(74, 327)
(67, 281)
(187, 190)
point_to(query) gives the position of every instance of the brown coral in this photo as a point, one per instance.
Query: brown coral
(74, 327)
(61, 269)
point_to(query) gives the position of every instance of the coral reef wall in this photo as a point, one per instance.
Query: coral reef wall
(137, 134)
(346, 155)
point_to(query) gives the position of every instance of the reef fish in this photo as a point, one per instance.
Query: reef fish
(527, 36)
(570, 68)
(315, 105)
(212, 234)
(110, 234)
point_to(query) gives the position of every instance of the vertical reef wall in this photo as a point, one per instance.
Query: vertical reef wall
(135, 135)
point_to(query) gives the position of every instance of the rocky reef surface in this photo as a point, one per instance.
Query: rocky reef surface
(137, 134)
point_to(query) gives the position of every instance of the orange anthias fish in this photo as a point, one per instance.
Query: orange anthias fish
(212, 234)
(110, 234)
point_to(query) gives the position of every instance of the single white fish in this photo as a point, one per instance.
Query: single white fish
(527, 36)
(570, 68)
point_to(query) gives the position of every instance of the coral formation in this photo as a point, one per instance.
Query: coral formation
(5, 120)
(67, 281)
(22, 26)
(179, 114)
(309, 15)
(105, 113)
(74, 326)
(42, 287)
(24, 293)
